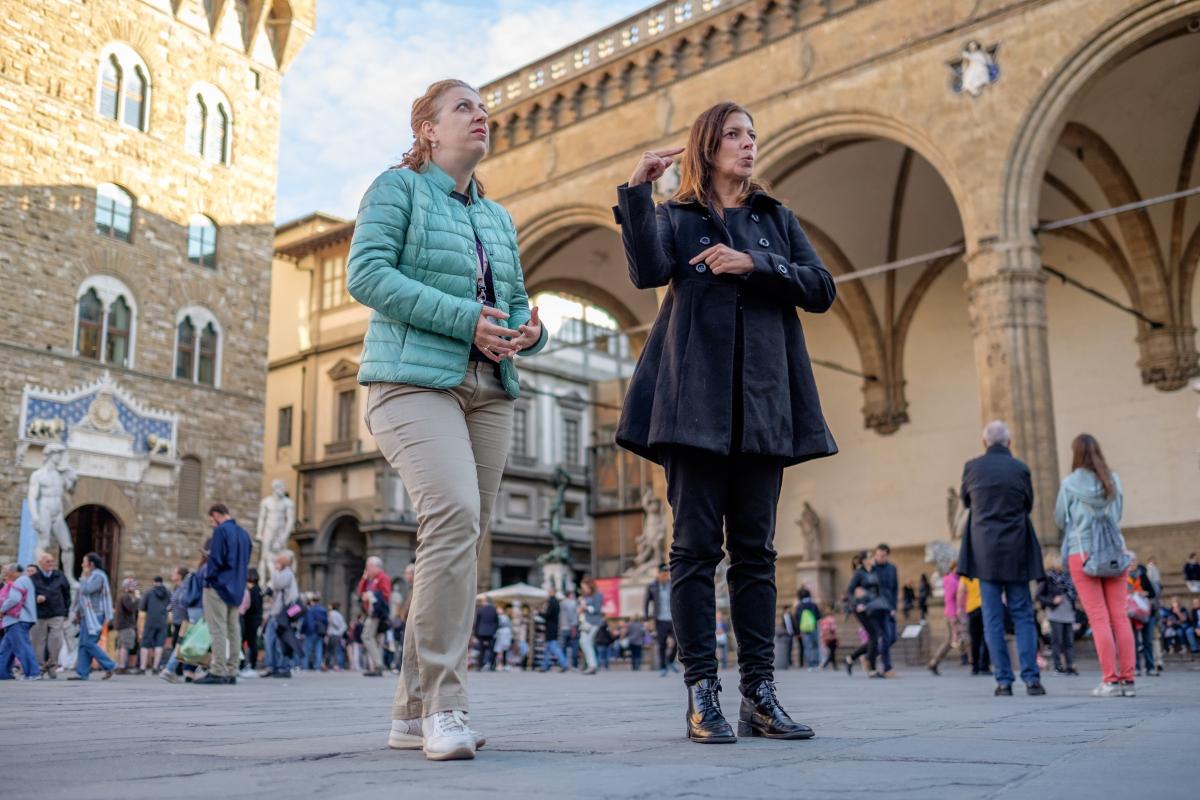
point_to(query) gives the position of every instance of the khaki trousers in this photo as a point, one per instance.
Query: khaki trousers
(48, 631)
(225, 628)
(370, 637)
(449, 446)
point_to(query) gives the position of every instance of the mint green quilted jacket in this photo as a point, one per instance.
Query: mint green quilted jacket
(413, 263)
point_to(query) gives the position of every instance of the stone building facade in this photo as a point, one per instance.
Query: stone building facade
(350, 503)
(137, 184)
(951, 134)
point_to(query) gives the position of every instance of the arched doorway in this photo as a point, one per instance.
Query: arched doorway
(94, 529)
(346, 559)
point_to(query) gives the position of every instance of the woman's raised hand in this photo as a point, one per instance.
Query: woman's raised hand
(490, 338)
(653, 164)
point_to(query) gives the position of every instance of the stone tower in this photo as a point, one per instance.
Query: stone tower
(137, 184)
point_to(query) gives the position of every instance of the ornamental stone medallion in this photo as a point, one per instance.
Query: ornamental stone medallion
(107, 432)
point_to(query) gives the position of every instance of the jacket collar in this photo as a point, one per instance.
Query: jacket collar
(443, 181)
(999, 448)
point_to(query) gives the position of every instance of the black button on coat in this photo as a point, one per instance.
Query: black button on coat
(682, 390)
(1000, 543)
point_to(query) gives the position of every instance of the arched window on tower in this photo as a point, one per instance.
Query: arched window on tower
(202, 241)
(105, 318)
(209, 124)
(123, 86)
(198, 347)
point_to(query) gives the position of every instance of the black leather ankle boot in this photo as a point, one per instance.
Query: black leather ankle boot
(762, 715)
(705, 722)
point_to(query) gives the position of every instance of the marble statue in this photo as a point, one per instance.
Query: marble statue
(276, 519)
(651, 543)
(810, 528)
(956, 514)
(49, 486)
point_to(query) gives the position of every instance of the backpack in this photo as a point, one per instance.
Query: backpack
(15, 611)
(379, 609)
(320, 624)
(1108, 557)
(808, 620)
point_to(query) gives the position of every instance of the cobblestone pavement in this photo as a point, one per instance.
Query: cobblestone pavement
(618, 734)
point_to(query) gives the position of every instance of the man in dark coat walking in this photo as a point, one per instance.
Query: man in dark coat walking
(487, 622)
(1001, 549)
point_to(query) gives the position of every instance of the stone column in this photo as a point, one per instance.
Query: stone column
(1007, 305)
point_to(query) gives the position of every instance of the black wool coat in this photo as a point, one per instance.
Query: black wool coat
(999, 543)
(683, 389)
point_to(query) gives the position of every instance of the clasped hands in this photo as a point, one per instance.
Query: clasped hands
(492, 339)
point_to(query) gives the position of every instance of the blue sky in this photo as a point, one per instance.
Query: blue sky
(347, 97)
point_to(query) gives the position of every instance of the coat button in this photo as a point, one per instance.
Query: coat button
(701, 267)
(764, 243)
(754, 217)
(782, 269)
(705, 240)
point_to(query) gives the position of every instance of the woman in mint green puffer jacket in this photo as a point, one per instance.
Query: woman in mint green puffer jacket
(438, 266)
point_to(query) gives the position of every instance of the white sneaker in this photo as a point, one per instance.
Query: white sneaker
(447, 736)
(1127, 689)
(1107, 690)
(406, 734)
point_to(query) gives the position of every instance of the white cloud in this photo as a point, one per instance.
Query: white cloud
(346, 99)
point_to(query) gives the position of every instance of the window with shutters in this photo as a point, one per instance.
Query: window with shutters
(283, 435)
(191, 480)
(344, 427)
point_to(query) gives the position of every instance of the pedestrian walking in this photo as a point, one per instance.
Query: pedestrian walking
(18, 612)
(314, 628)
(737, 266)
(283, 649)
(889, 589)
(252, 620)
(1056, 594)
(487, 623)
(950, 609)
(127, 607)
(1001, 548)
(1143, 585)
(870, 609)
(440, 267)
(1088, 511)
(591, 617)
(550, 624)
(808, 617)
(375, 592)
(828, 627)
(92, 607)
(635, 632)
(154, 625)
(657, 607)
(53, 597)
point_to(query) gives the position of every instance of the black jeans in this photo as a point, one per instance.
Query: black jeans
(486, 658)
(874, 623)
(728, 500)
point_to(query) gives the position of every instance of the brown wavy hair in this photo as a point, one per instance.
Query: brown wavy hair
(696, 166)
(427, 108)
(1085, 453)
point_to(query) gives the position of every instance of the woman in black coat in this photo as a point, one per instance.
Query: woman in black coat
(723, 396)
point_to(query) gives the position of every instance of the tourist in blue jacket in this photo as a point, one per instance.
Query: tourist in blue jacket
(438, 266)
(224, 590)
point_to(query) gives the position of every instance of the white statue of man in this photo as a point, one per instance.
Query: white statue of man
(810, 528)
(276, 518)
(654, 533)
(48, 487)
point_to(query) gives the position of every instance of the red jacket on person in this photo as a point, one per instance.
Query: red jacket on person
(380, 584)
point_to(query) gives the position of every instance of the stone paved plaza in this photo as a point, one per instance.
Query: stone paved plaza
(615, 735)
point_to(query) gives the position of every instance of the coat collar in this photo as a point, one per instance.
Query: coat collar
(757, 199)
(438, 177)
(1000, 449)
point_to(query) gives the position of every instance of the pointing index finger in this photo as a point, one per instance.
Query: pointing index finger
(703, 255)
(670, 151)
